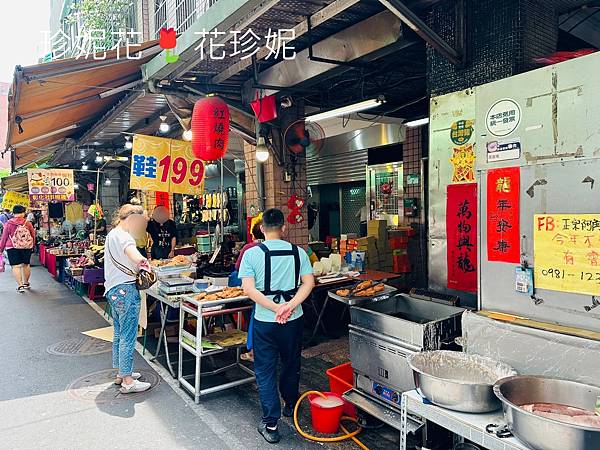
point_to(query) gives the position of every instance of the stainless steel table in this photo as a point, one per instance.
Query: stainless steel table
(167, 302)
(468, 426)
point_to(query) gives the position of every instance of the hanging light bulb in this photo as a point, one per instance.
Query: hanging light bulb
(84, 166)
(187, 135)
(75, 186)
(262, 152)
(164, 127)
(107, 182)
(128, 143)
(98, 158)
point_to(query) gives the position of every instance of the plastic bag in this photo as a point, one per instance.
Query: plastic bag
(2, 265)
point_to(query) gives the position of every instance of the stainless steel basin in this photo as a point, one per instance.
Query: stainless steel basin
(458, 381)
(542, 433)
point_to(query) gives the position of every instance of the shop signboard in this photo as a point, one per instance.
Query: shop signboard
(503, 187)
(165, 165)
(567, 252)
(461, 227)
(12, 198)
(47, 185)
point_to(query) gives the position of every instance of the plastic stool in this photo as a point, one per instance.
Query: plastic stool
(93, 291)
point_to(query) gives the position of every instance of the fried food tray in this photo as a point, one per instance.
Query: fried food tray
(387, 292)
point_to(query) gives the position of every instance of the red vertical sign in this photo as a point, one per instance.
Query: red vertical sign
(162, 199)
(503, 189)
(461, 229)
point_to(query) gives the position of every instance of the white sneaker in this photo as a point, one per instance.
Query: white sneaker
(134, 375)
(136, 386)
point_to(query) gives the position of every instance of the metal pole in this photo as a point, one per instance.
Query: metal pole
(96, 202)
(260, 185)
(404, 13)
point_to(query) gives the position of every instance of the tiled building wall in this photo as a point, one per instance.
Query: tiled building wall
(277, 192)
(412, 150)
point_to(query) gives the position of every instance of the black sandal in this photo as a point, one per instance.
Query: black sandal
(27, 286)
(21, 289)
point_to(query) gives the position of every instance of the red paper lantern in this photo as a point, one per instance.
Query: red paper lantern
(210, 128)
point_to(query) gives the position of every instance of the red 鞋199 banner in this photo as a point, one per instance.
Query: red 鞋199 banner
(503, 189)
(461, 231)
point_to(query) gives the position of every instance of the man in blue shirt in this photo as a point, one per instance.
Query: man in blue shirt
(278, 277)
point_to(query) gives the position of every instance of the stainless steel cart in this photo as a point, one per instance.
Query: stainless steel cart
(202, 310)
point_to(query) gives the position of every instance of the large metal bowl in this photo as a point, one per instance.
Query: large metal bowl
(458, 381)
(542, 433)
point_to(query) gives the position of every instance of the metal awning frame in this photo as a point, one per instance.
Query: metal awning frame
(456, 55)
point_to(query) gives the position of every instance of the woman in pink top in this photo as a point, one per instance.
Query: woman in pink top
(18, 239)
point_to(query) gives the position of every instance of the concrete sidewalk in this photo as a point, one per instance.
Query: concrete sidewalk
(39, 410)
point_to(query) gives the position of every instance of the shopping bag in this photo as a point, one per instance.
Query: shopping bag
(2, 268)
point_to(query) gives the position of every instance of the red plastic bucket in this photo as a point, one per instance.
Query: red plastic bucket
(341, 379)
(325, 419)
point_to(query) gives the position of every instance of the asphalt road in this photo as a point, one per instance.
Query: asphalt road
(38, 410)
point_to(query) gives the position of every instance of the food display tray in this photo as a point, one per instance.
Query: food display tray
(387, 292)
(177, 268)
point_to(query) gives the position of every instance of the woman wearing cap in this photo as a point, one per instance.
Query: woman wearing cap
(122, 261)
(18, 239)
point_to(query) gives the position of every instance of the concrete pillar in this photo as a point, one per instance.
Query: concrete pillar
(277, 191)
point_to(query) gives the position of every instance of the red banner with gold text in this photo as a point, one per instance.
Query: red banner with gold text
(461, 229)
(503, 189)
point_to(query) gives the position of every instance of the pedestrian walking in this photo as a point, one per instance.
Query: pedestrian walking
(18, 239)
(278, 277)
(122, 261)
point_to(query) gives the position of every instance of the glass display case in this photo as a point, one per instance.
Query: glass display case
(385, 192)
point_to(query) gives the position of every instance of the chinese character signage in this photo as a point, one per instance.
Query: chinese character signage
(461, 229)
(503, 117)
(503, 187)
(463, 160)
(47, 185)
(566, 250)
(165, 165)
(461, 131)
(12, 198)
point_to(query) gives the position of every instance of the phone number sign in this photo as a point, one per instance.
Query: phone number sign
(567, 252)
(166, 165)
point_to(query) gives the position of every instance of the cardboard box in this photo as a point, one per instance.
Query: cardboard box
(377, 224)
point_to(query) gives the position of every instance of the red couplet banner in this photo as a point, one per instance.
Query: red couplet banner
(503, 189)
(461, 229)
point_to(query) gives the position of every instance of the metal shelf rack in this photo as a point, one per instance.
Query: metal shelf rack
(201, 311)
(468, 426)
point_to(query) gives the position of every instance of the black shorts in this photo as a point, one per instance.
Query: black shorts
(18, 256)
